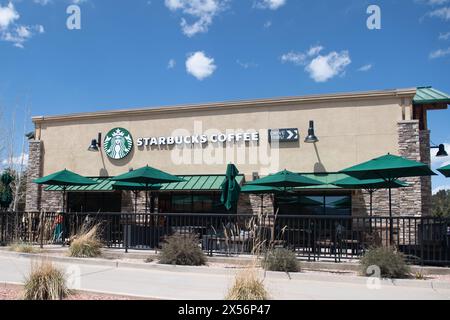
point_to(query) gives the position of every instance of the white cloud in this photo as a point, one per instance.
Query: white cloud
(440, 188)
(200, 66)
(321, 68)
(269, 4)
(439, 53)
(16, 161)
(434, 2)
(443, 13)
(324, 68)
(246, 65)
(171, 64)
(301, 58)
(444, 36)
(267, 24)
(202, 11)
(42, 2)
(8, 15)
(365, 68)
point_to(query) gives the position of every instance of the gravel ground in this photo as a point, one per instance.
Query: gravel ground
(14, 293)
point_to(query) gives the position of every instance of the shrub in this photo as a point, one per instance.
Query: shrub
(45, 282)
(182, 250)
(86, 244)
(23, 248)
(392, 263)
(247, 286)
(281, 259)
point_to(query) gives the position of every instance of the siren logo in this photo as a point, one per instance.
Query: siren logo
(118, 143)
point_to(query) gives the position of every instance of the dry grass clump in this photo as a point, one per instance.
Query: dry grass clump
(86, 244)
(282, 260)
(45, 282)
(22, 247)
(391, 262)
(247, 286)
(182, 250)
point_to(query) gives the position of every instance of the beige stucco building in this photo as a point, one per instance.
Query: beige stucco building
(188, 140)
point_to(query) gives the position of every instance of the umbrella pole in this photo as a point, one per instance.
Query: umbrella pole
(63, 231)
(391, 220)
(371, 210)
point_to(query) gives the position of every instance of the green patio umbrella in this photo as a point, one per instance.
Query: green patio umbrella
(285, 179)
(64, 179)
(230, 188)
(368, 185)
(147, 176)
(389, 168)
(445, 171)
(135, 188)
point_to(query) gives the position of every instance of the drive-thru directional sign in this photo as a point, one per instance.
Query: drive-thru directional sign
(284, 135)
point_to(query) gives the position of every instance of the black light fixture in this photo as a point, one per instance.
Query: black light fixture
(96, 144)
(442, 152)
(311, 138)
(30, 136)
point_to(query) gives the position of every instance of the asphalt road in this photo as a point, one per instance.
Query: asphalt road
(179, 283)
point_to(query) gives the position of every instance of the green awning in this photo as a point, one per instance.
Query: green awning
(426, 95)
(190, 183)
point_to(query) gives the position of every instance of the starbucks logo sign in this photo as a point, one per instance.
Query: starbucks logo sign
(118, 143)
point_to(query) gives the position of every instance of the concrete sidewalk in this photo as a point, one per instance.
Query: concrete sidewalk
(206, 283)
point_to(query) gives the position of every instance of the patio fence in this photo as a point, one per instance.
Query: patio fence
(423, 240)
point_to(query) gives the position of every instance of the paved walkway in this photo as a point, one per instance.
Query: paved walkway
(201, 284)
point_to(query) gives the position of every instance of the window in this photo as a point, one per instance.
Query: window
(336, 204)
(206, 202)
(94, 201)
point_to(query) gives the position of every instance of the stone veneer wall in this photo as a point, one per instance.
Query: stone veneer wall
(129, 199)
(251, 204)
(33, 196)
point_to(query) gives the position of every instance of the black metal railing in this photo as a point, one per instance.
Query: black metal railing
(424, 240)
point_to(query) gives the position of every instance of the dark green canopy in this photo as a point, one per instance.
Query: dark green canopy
(148, 176)
(371, 184)
(285, 179)
(6, 195)
(230, 188)
(65, 178)
(445, 171)
(389, 168)
(254, 189)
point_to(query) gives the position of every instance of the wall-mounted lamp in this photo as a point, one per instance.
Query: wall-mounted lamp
(442, 152)
(30, 136)
(311, 138)
(96, 144)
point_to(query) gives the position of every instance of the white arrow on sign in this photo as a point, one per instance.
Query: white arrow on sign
(290, 134)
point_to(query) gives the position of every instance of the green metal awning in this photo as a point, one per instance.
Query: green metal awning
(425, 95)
(191, 183)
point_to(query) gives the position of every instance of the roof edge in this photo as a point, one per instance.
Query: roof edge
(408, 92)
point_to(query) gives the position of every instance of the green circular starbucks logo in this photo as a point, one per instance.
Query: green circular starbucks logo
(118, 143)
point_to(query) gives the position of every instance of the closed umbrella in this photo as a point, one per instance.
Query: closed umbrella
(445, 171)
(147, 176)
(230, 188)
(6, 196)
(389, 168)
(64, 179)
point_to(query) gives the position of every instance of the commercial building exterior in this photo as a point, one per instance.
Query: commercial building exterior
(259, 137)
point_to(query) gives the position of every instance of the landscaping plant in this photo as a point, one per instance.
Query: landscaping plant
(247, 286)
(22, 247)
(182, 250)
(392, 263)
(45, 282)
(86, 244)
(281, 259)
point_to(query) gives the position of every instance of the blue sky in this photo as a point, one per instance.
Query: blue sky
(149, 53)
